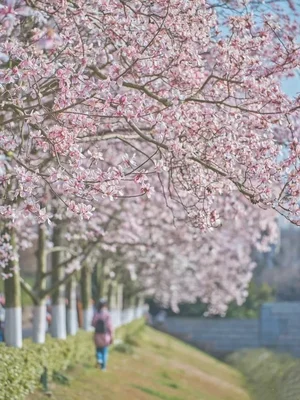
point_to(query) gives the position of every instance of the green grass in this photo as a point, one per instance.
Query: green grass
(155, 393)
(157, 367)
(270, 375)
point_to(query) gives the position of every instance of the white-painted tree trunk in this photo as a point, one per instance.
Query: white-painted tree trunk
(72, 323)
(58, 323)
(13, 327)
(87, 318)
(139, 306)
(72, 320)
(12, 292)
(86, 292)
(39, 324)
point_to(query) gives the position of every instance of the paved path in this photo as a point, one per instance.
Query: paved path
(27, 332)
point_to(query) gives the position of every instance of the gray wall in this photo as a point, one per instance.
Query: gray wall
(217, 337)
(280, 327)
(277, 328)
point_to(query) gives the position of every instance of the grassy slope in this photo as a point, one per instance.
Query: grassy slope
(159, 368)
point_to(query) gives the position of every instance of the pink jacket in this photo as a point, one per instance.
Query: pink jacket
(103, 339)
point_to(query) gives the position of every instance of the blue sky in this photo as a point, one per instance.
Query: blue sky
(291, 86)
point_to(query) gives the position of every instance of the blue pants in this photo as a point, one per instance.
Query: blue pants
(102, 356)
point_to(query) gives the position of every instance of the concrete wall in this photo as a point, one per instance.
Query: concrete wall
(216, 336)
(278, 328)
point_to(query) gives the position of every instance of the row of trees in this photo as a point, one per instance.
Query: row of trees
(144, 141)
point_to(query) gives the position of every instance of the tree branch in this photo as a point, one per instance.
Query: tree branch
(29, 290)
(60, 248)
(66, 278)
(205, 164)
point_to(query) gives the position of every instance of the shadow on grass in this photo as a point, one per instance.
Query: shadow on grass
(168, 380)
(171, 385)
(156, 393)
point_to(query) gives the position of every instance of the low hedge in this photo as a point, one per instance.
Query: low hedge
(270, 376)
(21, 369)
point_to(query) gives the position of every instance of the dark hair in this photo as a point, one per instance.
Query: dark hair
(101, 304)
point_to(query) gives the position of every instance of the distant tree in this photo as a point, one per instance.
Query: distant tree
(197, 309)
(288, 287)
(257, 295)
(284, 274)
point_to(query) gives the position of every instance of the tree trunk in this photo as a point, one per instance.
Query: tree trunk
(120, 297)
(104, 292)
(112, 295)
(39, 310)
(99, 284)
(58, 323)
(80, 313)
(12, 290)
(86, 292)
(129, 300)
(139, 306)
(117, 308)
(39, 323)
(72, 323)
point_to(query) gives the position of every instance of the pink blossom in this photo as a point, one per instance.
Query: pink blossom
(9, 14)
(49, 40)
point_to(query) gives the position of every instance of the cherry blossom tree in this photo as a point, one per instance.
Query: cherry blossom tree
(150, 249)
(108, 100)
(206, 100)
(15, 234)
(69, 248)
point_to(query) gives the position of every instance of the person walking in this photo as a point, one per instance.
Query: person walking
(103, 336)
(48, 313)
(160, 318)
